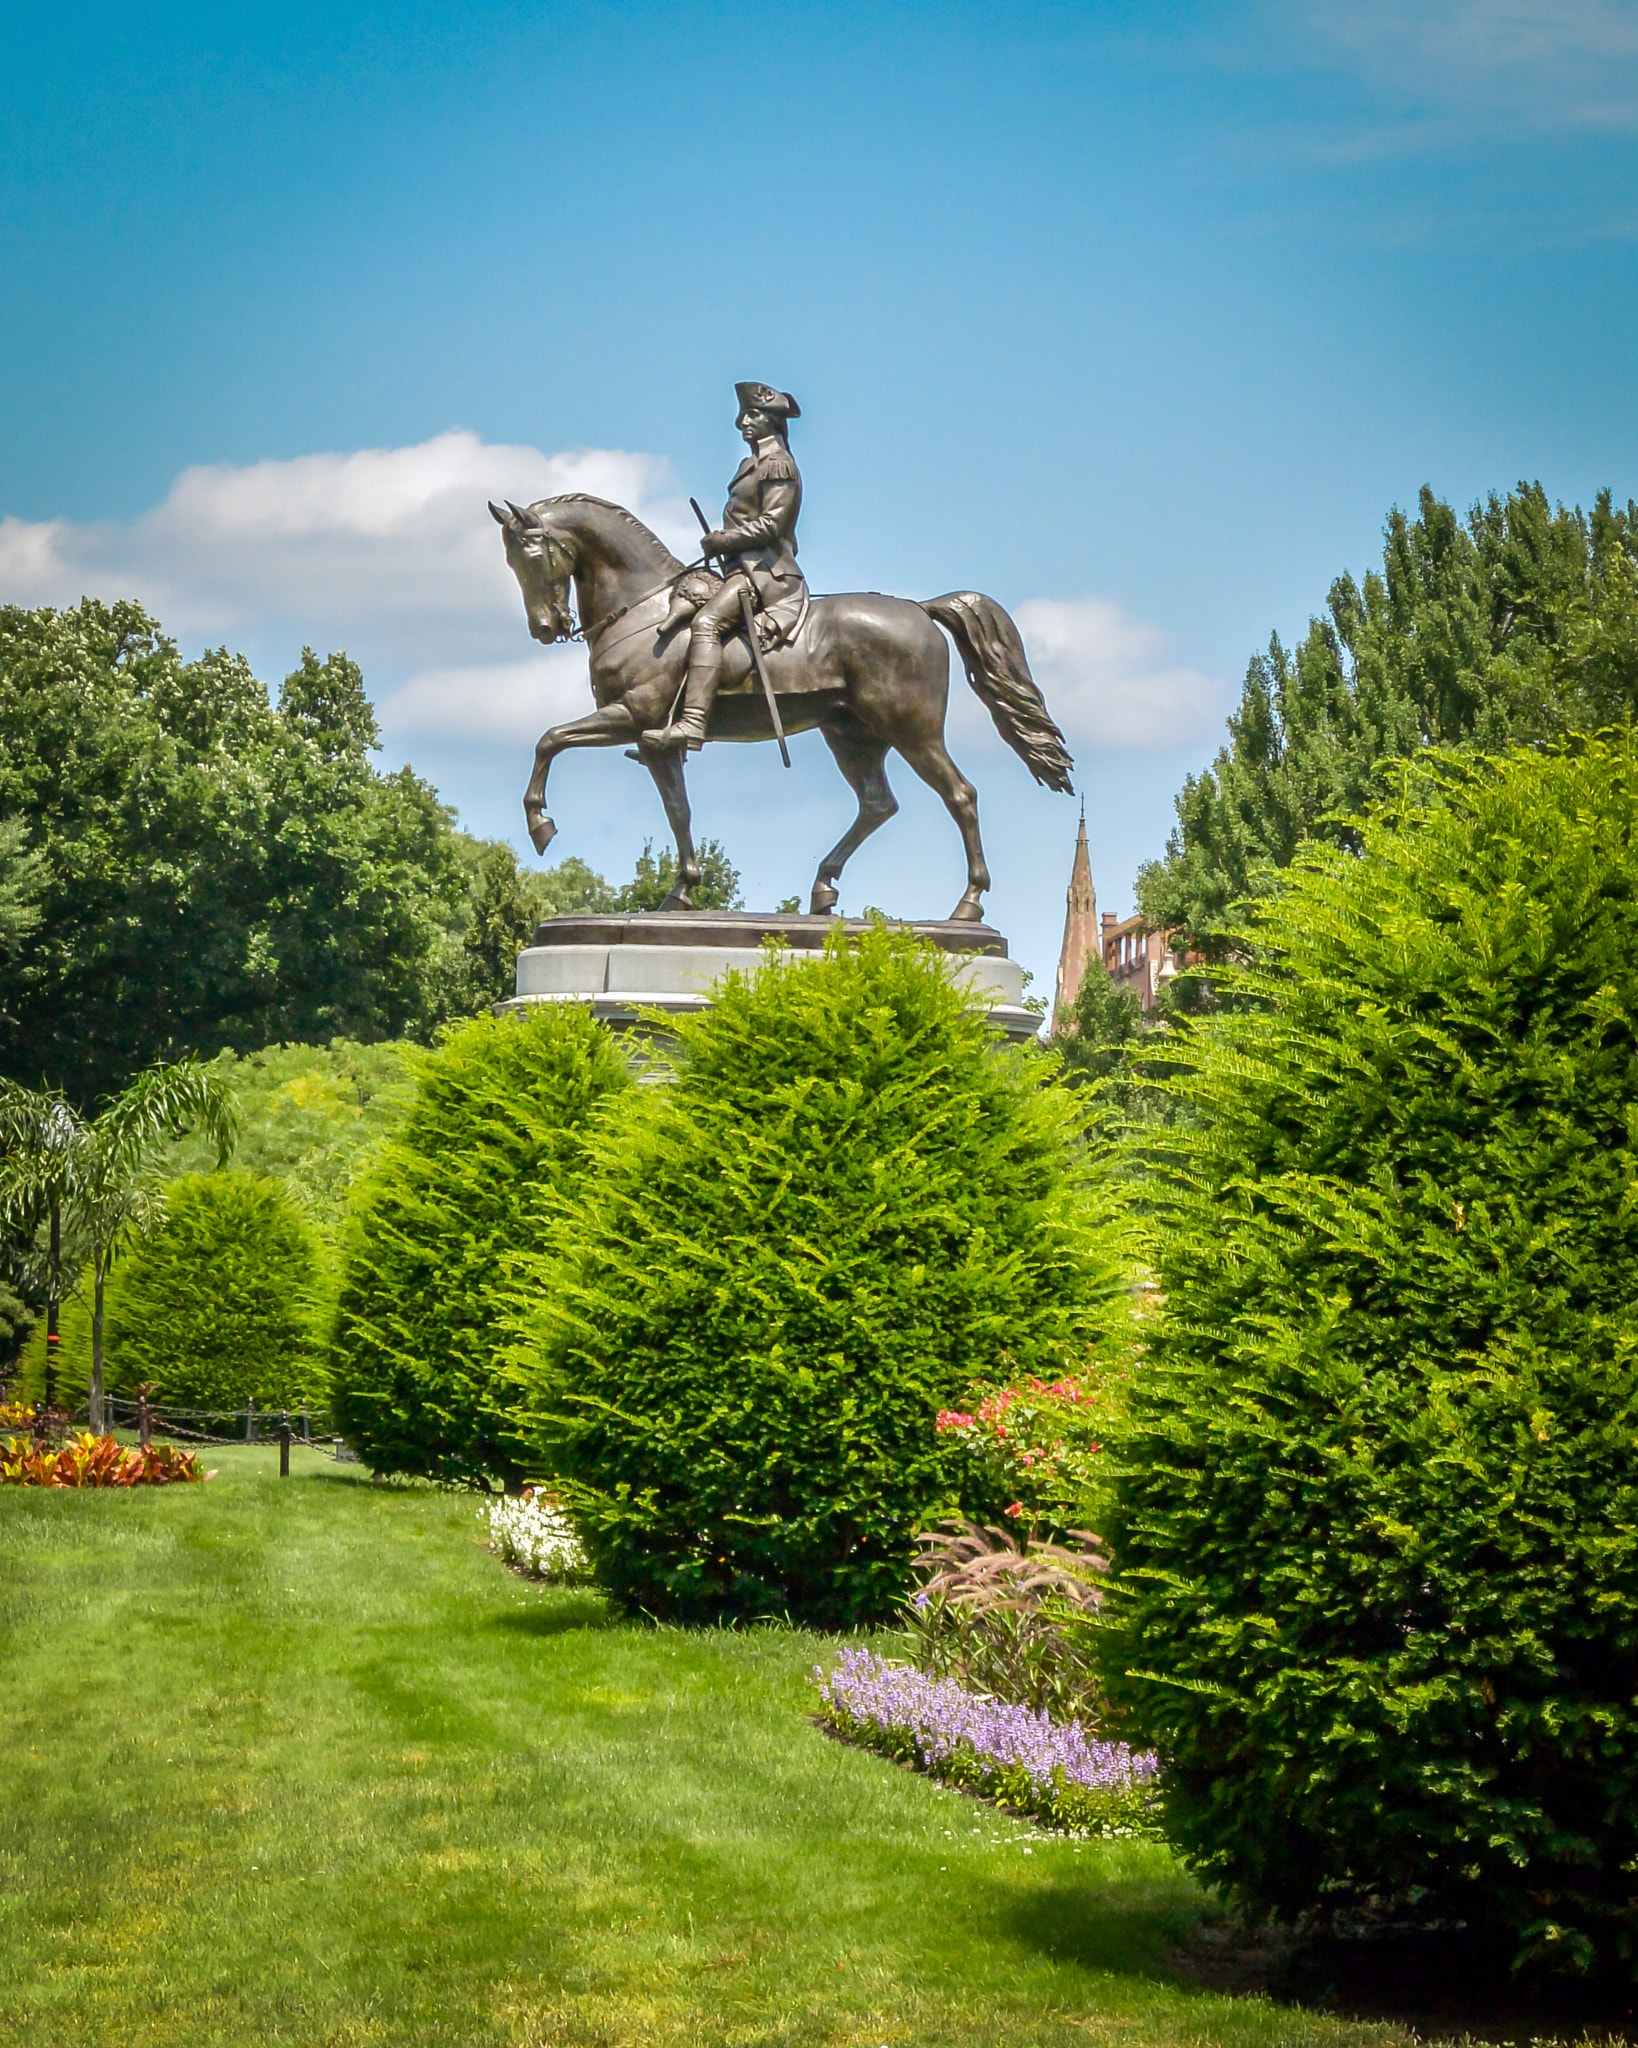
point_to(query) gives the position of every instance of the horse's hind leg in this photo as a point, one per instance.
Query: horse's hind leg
(863, 760)
(933, 764)
(604, 728)
(668, 770)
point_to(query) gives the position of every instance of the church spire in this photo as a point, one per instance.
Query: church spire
(1081, 942)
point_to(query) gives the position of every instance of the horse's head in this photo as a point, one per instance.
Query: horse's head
(543, 563)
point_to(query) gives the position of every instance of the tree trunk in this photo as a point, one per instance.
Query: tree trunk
(95, 1402)
(54, 1287)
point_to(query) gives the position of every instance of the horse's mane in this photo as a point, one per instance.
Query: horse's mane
(647, 533)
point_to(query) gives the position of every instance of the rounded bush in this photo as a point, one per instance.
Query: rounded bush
(849, 1202)
(216, 1306)
(1377, 1530)
(417, 1375)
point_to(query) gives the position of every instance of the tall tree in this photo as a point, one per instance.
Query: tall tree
(1518, 624)
(88, 1183)
(211, 871)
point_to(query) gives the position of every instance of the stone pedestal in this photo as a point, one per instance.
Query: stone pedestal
(668, 960)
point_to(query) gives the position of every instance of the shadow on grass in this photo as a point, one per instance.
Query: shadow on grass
(1443, 1985)
(1096, 1928)
(562, 1617)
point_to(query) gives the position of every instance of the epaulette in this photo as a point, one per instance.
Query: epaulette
(777, 469)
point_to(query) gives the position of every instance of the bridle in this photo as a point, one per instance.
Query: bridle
(588, 634)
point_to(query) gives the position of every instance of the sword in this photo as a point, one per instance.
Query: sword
(756, 652)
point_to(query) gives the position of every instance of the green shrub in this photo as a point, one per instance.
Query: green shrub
(849, 1203)
(1378, 1526)
(415, 1377)
(216, 1306)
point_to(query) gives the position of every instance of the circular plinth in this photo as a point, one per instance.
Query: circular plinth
(669, 960)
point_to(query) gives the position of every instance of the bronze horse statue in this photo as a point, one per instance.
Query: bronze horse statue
(871, 672)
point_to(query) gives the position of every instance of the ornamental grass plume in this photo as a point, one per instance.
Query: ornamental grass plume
(1008, 1616)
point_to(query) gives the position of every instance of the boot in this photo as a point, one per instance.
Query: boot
(699, 694)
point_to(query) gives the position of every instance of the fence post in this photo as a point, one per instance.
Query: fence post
(250, 1419)
(145, 1427)
(284, 1445)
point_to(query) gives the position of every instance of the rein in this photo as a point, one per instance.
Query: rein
(589, 633)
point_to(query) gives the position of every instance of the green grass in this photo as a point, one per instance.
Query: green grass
(301, 1762)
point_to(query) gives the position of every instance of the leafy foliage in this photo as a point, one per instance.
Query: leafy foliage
(569, 885)
(1377, 1530)
(80, 1187)
(311, 1116)
(501, 1109)
(848, 1204)
(718, 888)
(215, 1306)
(1520, 624)
(90, 1460)
(22, 882)
(210, 871)
(1038, 1445)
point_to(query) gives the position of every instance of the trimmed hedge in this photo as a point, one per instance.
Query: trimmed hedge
(1378, 1523)
(849, 1203)
(417, 1379)
(216, 1306)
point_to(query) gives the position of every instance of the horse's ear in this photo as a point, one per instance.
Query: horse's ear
(501, 518)
(520, 517)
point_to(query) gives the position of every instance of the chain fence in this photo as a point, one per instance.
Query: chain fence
(146, 1417)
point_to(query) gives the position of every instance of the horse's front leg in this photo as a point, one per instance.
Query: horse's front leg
(667, 768)
(607, 727)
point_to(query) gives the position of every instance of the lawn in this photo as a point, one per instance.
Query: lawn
(301, 1762)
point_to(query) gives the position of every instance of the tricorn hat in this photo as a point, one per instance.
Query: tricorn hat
(766, 399)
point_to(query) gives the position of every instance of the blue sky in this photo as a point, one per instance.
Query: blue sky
(1137, 318)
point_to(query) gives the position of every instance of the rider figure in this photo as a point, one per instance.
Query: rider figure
(757, 548)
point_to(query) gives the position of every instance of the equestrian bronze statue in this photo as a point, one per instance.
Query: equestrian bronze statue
(872, 673)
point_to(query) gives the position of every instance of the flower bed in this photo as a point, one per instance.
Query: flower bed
(87, 1460)
(535, 1536)
(1052, 1770)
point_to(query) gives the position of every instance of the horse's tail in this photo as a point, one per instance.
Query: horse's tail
(998, 669)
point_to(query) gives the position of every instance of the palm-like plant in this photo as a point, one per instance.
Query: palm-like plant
(89, 1182)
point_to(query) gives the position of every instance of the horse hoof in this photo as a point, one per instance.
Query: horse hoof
(970, 910)
(541, 832)
(823, 901)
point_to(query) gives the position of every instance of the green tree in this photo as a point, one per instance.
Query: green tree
(1103, 1031)
(22, 882)
(654, 879)
(568, 886)
(849, 1204)
(1377, 1534)
(310, 1116)
(502, 1109)
(210, 871)
(216, 1303)
(87, 1185)
(1520, 624)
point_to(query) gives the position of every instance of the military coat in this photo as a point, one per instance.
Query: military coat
(759, 523)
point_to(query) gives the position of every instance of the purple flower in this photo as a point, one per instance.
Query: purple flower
(939, 1717)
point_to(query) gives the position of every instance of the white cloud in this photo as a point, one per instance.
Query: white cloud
(1107, 680)
(512, 701)
(388, 552)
